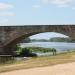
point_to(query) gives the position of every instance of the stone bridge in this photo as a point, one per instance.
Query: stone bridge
(11, 35)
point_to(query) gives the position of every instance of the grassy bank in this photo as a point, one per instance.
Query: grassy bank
(39, 62)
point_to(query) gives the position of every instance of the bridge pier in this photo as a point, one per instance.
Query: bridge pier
(1, 50)
(8, 50)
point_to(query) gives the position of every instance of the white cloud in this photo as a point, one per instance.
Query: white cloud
(7, 14)
(4, 13)
(36, 6)
(4, 6)
(61, 3)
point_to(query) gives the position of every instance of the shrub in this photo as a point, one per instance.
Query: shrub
(25, 52)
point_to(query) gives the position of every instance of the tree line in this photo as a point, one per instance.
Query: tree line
(54, 39)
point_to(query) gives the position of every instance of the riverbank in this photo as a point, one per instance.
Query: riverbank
(39, 62)
(61, 69)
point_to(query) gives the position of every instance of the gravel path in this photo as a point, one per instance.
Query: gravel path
(61, 69)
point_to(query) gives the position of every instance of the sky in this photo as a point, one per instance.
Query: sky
(47, 35)
(37, 12)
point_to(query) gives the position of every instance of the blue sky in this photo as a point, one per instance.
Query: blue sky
(29, 12)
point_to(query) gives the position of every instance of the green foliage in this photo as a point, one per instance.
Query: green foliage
(25, 52)
(54, 39)
(60, 39)
(41, 49)
(18, 49)
(39, 40)
(29, 51)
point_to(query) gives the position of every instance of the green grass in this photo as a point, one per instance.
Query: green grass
(38, 62)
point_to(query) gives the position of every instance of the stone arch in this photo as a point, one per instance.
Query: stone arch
(11, 45)
(13, 34)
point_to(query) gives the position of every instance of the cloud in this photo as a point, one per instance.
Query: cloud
(36, 6)
(7, 14)
(4, 6)
(61, 3)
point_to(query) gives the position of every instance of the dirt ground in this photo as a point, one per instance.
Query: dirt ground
(61, 69)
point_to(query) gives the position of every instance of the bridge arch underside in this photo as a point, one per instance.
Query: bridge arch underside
(10, 47)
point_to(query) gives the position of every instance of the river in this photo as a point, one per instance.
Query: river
(59, 46)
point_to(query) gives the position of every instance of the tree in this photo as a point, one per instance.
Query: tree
(60, 39)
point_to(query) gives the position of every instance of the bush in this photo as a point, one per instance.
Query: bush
(25, 52)
(33, 55)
